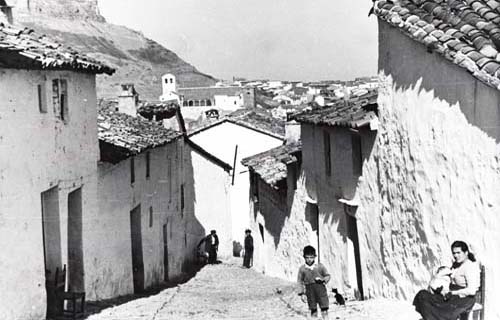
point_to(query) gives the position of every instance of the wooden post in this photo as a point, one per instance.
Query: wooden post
(234, 163)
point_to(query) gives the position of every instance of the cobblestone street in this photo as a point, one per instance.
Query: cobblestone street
(227, 291)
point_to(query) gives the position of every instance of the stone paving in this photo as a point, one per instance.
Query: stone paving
(228, 291)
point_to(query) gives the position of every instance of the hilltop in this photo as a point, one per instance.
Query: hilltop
(139, 60)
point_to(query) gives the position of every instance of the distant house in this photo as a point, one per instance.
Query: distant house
(231, 138)
(335, 142)
(196, 100)
(48, 164)
(282, 222)
(434, 176)
(144, 212)
(209, 193)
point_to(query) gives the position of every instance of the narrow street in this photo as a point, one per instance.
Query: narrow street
(228, 291)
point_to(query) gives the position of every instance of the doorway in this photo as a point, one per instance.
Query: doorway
(312, 216)
(352, 235)
(51, 233)
(165, 252)
(75, 250)
(137, 258)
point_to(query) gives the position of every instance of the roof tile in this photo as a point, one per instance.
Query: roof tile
(271, 165)
(467, 26)
(23, 48)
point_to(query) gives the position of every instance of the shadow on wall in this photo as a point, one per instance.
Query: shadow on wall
(447, 81)
(193, 229)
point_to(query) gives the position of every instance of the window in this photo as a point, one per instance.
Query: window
(148, 164)
(150, 217)
(42, 101)
(182, 199)
(132, 170)
(328, 157)
(166, 80)
(357, 155)
(60, 98)
(171, 80)
(255, 185)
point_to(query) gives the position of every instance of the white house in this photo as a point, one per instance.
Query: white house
(48, 169)
(241, 134)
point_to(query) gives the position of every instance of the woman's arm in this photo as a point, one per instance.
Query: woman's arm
(472, 278)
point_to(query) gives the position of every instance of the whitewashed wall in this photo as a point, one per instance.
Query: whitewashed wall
(39, 152)
(220, 141)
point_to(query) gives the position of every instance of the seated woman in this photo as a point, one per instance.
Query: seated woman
(463, 288)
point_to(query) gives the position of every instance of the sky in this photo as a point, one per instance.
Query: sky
(259, 39)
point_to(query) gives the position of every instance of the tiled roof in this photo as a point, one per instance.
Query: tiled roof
(162, 110)
(465, 32)
(24, 49)
(133, 134)
(259, 120)
(352, 115)
(200, 93)
(253, 118)
(271, 165)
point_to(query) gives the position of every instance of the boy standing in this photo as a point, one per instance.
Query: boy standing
(312, 277)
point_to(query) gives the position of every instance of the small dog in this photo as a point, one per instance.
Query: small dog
(440, 283)
(338, 297)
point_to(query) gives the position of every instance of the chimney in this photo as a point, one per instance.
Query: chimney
(7, 11)
(128, 99)
(292, 131)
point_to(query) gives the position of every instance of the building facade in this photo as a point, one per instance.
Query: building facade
(49, 160)
(281, 220)
(436, 160)
(231, 139)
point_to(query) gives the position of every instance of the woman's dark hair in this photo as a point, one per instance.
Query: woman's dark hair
(465, 248)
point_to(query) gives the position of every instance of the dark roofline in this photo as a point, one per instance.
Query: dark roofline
(245, 125)
(208, 155)
(237, 122)
(114, 154)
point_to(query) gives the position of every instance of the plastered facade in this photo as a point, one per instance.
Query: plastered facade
(281, 225)
(167, 221)
(433, 174)
(40, 152)
(220, 141)
(211, 198)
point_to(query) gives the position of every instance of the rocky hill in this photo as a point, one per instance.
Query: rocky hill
(138, 60)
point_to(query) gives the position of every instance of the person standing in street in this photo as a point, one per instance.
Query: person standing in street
(312, 278)
(248, 256)
(211, 246)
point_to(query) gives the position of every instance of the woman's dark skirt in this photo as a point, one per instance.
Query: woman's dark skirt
(435, 307)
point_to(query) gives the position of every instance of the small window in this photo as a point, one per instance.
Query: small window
(182, 199)
(132, 170)
(148, 164)
(255, 185)
(42, 101)
(150, 217)
(166, 80)
(171, 80)
(357, 156)
(60, 98)
(328, 157)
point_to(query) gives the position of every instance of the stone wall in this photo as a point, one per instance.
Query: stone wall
(74, 9)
